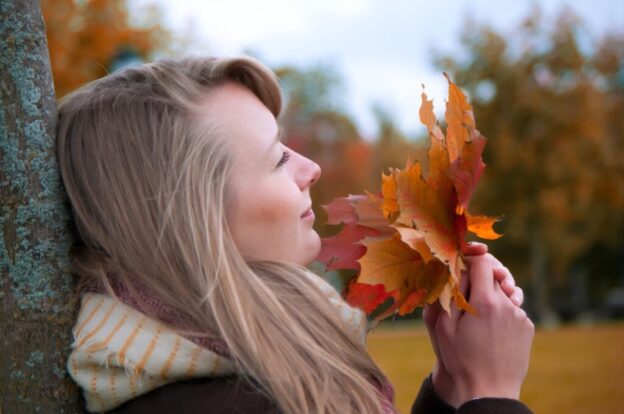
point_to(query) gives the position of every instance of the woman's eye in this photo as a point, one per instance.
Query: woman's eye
(282, 161)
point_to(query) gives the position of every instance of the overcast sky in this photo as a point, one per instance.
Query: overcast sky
(382, 48)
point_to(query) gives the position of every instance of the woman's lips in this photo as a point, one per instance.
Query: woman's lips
(308, 214)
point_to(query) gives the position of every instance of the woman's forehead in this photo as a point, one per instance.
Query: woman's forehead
(237, 114)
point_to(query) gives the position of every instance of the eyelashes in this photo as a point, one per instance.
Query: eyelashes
(282, 161)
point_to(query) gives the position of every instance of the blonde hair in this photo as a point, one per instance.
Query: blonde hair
(149, 190)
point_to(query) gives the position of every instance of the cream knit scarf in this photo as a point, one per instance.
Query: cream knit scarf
(119, 353)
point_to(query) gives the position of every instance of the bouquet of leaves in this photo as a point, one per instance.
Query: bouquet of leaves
(406, 241)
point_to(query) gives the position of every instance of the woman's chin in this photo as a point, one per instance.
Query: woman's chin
(311, 249)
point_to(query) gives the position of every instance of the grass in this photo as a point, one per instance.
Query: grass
(574, 369)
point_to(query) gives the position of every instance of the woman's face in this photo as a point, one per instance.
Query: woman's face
(269, 212)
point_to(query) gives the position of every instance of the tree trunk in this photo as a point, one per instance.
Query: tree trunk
(36, 292)
(539, 280)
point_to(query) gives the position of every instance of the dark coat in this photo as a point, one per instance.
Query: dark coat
(236, 395)
(428, 402)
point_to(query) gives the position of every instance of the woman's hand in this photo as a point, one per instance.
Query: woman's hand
(445, 385)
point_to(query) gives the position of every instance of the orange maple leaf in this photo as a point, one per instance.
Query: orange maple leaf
(406, 243)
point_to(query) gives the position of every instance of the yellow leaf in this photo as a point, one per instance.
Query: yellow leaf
(391, 263)
(429, 211)
(459, 120)
(388, 189)
(414, 239)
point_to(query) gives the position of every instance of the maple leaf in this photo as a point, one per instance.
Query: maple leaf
(341, 210)
(406, 242)
(368, 297)
(389, 206)
(343, 250)
(362, 217)
(482, 226)
(414, 239)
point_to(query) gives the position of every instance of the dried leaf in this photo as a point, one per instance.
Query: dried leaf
(459, 120)
(391, 263)
(428, 211)
(341, 210)
(390, 207)
(466, 171)
(482, 226)
(343, 250)
(368, 297)
(369, 212)
(414, 239)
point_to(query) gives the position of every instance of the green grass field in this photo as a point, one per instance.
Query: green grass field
(574, 369)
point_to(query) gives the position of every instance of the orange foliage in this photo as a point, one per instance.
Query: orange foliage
(85, 36)
(408, 241)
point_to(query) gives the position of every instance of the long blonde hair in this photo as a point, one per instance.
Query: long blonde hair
(149, 190)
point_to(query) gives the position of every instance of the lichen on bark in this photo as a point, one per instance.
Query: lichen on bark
(37, 293)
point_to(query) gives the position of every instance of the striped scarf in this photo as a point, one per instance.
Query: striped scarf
(119, 353)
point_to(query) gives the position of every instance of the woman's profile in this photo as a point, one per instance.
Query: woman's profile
(194, 227)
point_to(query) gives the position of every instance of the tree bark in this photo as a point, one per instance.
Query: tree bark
(36, 292)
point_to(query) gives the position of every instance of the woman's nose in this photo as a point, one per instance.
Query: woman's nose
(316, 172)
(310, 173)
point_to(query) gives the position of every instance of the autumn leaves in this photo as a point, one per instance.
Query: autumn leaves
(407, 241)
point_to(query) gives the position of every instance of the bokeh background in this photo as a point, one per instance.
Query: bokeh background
(546, 80)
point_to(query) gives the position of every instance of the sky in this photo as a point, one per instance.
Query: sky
(381, 48)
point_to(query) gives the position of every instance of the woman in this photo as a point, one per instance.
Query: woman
(194, 227)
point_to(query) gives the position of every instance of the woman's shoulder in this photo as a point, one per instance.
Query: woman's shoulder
(232, 394)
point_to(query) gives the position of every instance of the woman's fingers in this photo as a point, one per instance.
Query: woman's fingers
(504, 278)
(431, 313)
(518, 296)
(480, 276)
(475, 249)
(502, 275)
(506, 281)
(508, 284)
(446, 324)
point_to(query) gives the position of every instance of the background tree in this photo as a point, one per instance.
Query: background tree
(36, 316)
(553, 114)
(85, 37)
(391, 147)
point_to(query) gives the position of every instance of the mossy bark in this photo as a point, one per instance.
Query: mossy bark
(36, 292)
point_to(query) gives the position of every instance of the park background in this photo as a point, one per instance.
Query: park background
(546, 81)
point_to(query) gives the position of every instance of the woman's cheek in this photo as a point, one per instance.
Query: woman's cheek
(274, 209)
(284, 198)
(266, 209)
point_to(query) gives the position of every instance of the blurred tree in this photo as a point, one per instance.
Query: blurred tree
(310, 91)
(553, 112)
(392, 149)
(85, 37)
